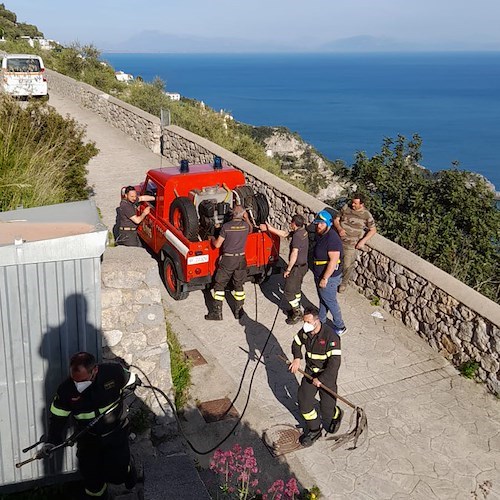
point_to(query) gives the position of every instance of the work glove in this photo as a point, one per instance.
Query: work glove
(47, 449)
(133, 382)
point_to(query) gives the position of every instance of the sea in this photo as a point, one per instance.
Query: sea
(345, 103)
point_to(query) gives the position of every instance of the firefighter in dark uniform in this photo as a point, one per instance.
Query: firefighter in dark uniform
(322, 346)
(128, 220)
(297, 264)
(103, 451)
(232, 240)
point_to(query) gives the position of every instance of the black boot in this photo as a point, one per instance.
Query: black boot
(309, 437)
(238, 309)
(295, 316)
(216, 313)
(336, 421)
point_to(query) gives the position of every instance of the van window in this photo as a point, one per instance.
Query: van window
(23, 65)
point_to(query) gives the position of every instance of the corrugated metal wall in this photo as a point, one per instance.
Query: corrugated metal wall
(48, 311)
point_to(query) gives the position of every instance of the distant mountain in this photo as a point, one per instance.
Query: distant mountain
(364, 43)
(157, 41)
(367, 43)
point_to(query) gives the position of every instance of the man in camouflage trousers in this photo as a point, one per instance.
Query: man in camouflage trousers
(355, 225)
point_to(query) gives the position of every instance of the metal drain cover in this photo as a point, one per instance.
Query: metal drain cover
(195, 357)
(281, 439)
(218, 409)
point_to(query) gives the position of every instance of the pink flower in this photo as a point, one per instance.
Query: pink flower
(277, 486)
(254, 483)
(291, 488)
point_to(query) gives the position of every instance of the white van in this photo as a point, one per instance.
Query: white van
(23, 75)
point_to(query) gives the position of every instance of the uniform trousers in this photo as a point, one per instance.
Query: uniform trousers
(307, 399)
(293, 285)
(128, 238)
(103, 460)
(231, 266)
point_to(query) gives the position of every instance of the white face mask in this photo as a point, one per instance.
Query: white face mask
(81, 386)
(307, 327)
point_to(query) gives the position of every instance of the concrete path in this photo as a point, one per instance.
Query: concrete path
(121, 160)
(432, 433)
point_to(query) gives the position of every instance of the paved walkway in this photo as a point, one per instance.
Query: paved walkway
(432, 433)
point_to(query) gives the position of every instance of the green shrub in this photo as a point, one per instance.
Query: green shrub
(42, 156)
(448, 218)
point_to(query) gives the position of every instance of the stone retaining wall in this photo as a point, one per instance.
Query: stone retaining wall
(141, 126)
(453, 318)
(133, 319)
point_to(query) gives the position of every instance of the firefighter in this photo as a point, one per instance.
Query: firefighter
(297, 264)
(103, 451)
(322, 346)
(128, 220)
(232, 240)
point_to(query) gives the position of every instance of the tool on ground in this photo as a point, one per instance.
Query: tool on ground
(357, 424)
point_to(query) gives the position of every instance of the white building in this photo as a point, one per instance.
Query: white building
(123, 77)
(174, 96)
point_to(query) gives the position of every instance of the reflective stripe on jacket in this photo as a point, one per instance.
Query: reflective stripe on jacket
(322, 352)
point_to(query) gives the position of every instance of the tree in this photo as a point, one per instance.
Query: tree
(448, 218)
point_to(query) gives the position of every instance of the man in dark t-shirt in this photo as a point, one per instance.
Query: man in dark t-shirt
(327, 269)
(232, 240)
(297, 264)
(128, 218)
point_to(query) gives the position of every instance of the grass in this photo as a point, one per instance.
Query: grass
(469, 369)
(375, 301)
(180, 369)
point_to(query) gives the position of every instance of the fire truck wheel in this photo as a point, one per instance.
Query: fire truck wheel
(183, 217)
(172, 283)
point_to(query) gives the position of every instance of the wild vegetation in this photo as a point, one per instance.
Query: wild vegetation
(10, 28)
(448, 218)
(42, 156)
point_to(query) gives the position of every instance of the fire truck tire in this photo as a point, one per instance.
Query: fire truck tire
(183, 217)
(171, 280)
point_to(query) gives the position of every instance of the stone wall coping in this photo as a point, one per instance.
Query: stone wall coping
(452, 286)
(122, 104)
(259, 173)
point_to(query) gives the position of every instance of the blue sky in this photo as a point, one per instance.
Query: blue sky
(431, 24)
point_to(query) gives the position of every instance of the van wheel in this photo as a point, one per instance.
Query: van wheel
(171, 280)
(183, 217)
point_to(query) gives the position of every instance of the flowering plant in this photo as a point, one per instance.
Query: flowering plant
(238, 469)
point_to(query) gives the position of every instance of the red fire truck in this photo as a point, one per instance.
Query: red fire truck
(192, 202)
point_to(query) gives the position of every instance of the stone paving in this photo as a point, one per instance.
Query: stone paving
(432, 433)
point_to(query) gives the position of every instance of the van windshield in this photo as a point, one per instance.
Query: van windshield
(23, 65)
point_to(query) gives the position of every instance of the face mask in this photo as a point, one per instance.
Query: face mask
(307, 327)
(81, 386)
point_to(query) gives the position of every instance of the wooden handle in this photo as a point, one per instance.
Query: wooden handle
(324, 387)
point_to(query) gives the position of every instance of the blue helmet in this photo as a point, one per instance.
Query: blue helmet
(325, 217)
